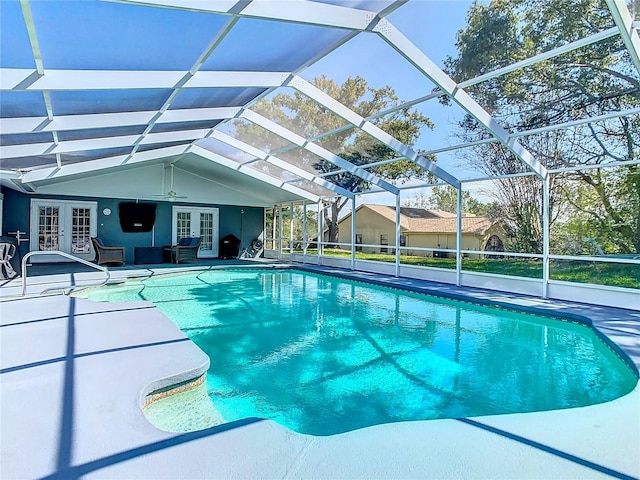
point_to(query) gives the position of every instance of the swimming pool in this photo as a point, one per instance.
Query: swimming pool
(324, 355)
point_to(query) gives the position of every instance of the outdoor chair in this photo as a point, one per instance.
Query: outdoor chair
(186, 250)
(106, 254)
(7, 251)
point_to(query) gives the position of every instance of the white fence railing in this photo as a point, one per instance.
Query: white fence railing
(607, 295)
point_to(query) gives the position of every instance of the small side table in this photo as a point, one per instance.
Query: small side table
(146, 255)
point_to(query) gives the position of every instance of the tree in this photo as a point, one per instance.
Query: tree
(592, 80)
(605, 217)
(446, 198)
(309, 119)
(298, 223)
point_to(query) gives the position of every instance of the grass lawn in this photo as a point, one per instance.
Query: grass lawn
(599, 273)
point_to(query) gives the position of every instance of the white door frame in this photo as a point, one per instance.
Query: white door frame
(195, 227)
(65, 227)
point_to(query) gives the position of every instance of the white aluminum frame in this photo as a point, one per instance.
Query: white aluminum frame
(317, 150)
(354, 119)
(627, 29)
(266, 157)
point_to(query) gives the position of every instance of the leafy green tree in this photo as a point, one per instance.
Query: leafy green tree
(420, 200)
(592, 80)
(446, 198)
(599, 216)
(309, 119)
(298, 223)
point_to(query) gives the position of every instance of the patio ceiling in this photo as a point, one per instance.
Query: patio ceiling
(94, 87)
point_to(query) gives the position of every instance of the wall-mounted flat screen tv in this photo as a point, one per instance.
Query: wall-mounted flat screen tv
(137, 217)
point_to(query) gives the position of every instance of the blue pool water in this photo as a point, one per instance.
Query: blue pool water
(323, 355)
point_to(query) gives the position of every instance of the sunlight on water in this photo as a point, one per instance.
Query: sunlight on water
(323, 355)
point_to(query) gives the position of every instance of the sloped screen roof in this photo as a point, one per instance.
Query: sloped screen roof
(91, 84)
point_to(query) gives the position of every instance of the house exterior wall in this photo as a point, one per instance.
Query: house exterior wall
(16, 216)
(495, 229)
(441, 240)
(370, 225)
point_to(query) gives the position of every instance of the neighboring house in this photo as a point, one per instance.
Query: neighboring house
(419, 227)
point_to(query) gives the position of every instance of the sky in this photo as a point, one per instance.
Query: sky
(431, 26)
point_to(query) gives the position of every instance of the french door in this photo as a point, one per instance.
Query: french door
(197, 222)
(62, 225)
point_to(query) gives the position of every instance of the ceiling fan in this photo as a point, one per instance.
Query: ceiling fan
(171, 195)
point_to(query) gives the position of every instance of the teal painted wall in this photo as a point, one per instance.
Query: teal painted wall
(247, 226)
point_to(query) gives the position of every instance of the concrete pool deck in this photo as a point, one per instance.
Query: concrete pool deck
(74, 374)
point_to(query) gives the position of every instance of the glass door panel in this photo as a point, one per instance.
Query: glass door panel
(48, 229)
(206, 232)
(183, 226)
(80, 230)
(210, 231)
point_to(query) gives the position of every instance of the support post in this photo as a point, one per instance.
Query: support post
(459, 235)
(545, 236)
(274, 227)
(320, 208)
(398, 234)
(291, 228)
(280, 231)
(353, 233)
(304, 229)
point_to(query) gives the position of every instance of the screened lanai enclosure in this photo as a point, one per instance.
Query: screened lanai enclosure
(489, 144)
